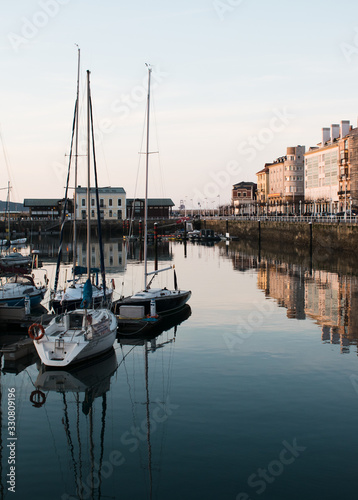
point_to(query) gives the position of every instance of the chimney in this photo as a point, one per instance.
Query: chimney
(344, 128)
(334, 132)
(325, 135)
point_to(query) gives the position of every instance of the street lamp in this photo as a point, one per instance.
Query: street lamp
(219, 205)
(300, 208)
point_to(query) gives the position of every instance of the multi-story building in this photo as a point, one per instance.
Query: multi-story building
(328, 170)
(244, 198)
(112, 202)
(294, 176)
(263, 184)
(286, 180)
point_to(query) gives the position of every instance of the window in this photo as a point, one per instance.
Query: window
(92, 202)
(83, 214)
(101, 202)
(119, 202)
(110, 202)
(119, 214)
(83, 202)
(92, 214)
(110, 213)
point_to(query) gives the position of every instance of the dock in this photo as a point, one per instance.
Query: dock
(16, 316)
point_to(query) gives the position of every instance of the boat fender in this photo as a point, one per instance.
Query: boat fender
(89, 319)
(37, 398)
(113, 284)
(36, 331)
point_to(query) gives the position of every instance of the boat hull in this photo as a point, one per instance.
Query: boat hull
(164, 304)
(60, 306)
(63, 345)
(35, 300)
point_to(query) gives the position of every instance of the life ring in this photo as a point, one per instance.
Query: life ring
(36, 331)
(37, 398)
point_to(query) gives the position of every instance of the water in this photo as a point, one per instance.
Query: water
(253, 395)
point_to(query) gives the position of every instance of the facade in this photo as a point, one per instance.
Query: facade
(112, 202)
(263, 184)
(47, 208)
(348, 170)
(158, 208)
(285, 181)
(327, 172)
(244, 198)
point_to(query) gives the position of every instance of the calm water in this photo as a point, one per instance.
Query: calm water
(254, 395)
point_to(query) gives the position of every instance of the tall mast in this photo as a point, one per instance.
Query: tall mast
(8, 211)
(88, 178)
(76, 157)
(146, 184)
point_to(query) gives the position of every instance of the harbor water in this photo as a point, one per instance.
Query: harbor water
(250, 393)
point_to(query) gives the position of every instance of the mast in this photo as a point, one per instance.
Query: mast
(8, 211)
(88, 179)
(76, 157)
(146, 183)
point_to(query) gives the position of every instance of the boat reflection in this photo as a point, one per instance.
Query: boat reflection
(79, 388)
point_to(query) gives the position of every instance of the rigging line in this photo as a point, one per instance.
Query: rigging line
(137, 176)
(66, 424)
(104, 410)
(162, 180)
(80, 485)
(59, 256)
(54, 443)
(7, 163)
(103, 272)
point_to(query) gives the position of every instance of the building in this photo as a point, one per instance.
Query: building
(158, 208)
(327, 172)
(263, 184)
(112, 203)
(47, 208)
(243, 198)
(282, 181)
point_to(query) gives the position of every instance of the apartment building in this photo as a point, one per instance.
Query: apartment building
(327, 176)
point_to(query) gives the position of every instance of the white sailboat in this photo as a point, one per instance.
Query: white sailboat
(70, 297)
(82, 333)
(165, 300)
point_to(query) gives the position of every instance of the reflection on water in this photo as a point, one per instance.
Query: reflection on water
(328, 298)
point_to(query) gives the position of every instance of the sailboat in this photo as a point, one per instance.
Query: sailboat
(83, 333)
(70, 298)
(150, 301)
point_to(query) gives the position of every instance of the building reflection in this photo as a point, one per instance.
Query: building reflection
(330, 299)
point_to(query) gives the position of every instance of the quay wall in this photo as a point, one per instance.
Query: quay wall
(341, 237)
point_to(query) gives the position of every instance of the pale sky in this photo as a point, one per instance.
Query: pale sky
(234, 83)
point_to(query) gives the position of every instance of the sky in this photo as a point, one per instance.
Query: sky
(234, 83)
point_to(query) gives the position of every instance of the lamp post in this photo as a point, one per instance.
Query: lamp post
(192, 208)
(219, 205)
(300, 208)
(266, 211)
